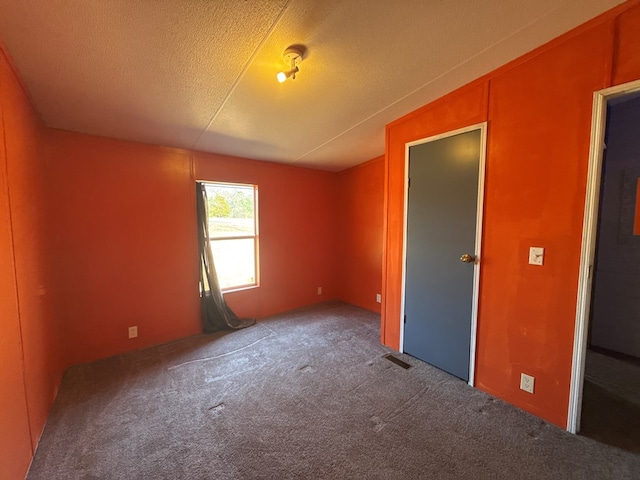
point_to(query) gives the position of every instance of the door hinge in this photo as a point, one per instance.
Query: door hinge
(405, 319)
(409, 183)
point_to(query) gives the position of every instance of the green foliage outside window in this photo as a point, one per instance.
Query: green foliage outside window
(218, 207)
(230, 203)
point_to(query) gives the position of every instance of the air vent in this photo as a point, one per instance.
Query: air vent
(397, 361)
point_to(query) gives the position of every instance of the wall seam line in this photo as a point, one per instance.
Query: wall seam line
(242, 73)
(15, 276)
(610, 70)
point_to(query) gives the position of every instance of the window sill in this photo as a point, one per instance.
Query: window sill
(239, 289)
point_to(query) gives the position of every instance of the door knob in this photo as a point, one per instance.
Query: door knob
(466, 258)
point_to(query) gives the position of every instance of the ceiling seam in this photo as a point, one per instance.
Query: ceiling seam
(243, 71)
(426, 84)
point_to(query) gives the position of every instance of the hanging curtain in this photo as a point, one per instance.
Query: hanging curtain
(215, 313)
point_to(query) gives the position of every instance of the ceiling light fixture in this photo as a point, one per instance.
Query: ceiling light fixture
(291, 56)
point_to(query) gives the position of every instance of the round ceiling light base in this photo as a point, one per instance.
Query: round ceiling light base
(293, 54)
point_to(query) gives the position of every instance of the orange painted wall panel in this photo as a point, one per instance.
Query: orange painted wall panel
(626, 58)
(297, 232)
(540, 117)
(15, 437)
(359, 233)
(27, 192)
(125, 247)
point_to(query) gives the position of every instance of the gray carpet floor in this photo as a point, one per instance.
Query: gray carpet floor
(306, 394)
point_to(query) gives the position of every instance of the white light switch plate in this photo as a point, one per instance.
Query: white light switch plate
(536, 255)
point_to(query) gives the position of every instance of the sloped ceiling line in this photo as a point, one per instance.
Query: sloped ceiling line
(418, 89)
(427, 84)
(199, 75)
(246, 66)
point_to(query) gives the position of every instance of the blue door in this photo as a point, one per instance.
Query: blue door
(440, 251)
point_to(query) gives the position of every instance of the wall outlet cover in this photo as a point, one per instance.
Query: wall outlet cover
(133, 331)
(527, 382)
(378, 298)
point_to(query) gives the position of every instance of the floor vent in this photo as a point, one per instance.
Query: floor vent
(397, 361)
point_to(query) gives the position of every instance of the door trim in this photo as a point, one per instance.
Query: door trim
(478, 240)
(587, 255)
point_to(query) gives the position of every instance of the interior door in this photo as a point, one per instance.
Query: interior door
(440, 250)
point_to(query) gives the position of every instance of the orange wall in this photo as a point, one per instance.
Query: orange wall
(15, 441)
(30, 364)
(296, 222)
(359, 233)
(125, 250)
(126, 247)
(538, 110)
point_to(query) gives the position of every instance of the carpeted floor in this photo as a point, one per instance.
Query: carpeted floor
(621, 377)
(305, 394)
(611, 401)
(610, 419)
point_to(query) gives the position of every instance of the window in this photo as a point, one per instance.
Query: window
(233, 233)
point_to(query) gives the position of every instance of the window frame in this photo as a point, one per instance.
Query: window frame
(255, 236)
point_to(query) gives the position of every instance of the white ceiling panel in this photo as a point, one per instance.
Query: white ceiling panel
(201, 74)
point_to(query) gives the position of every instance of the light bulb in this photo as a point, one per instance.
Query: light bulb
(282, 76)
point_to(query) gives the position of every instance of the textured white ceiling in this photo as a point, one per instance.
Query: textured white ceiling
(201, 74)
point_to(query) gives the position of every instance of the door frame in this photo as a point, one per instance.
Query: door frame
(587, 255)
(478, 240)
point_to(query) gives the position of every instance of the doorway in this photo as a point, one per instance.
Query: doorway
(443, 205)
(607, 332)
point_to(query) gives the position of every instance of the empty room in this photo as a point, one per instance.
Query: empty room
(319, 239)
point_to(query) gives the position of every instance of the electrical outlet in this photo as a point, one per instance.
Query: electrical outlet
(319, 290)
(133, 331)
(526, 382)
(378, 298)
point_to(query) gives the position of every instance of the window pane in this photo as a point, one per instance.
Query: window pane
(231, 210)
(235, 262)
